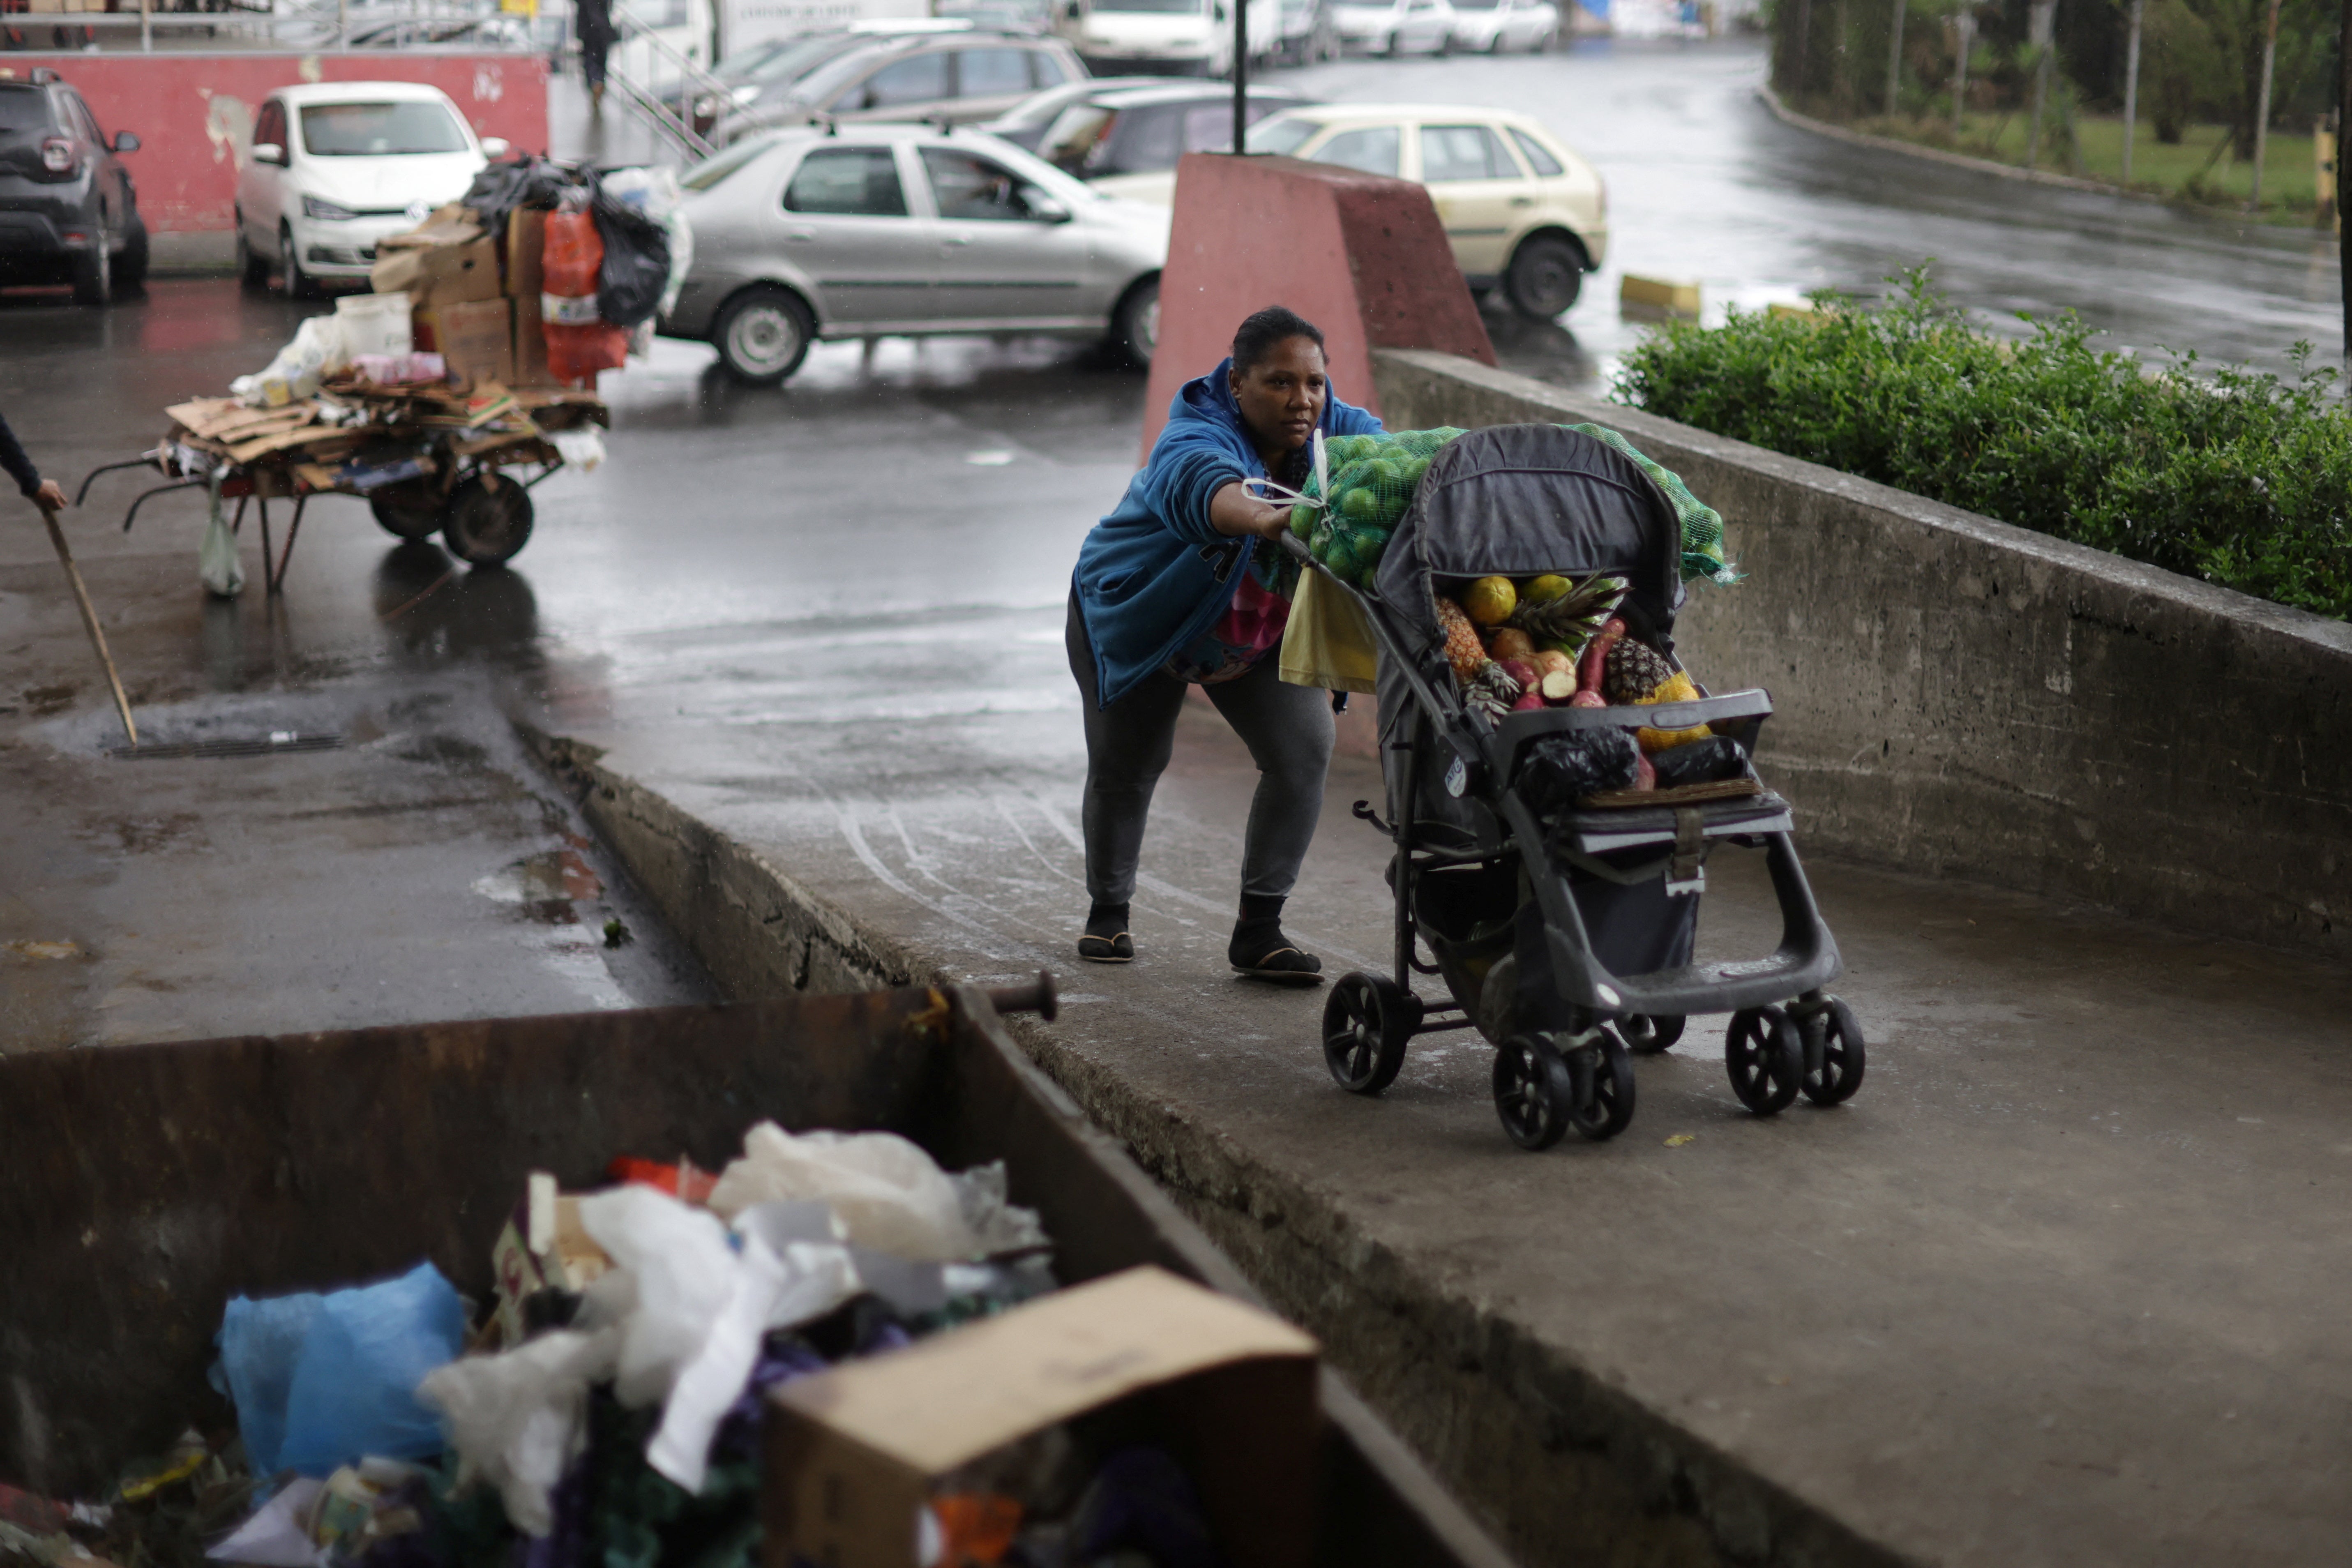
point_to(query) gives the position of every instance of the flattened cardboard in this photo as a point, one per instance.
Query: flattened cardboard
(438, 274)
(852, 1453)
(476, 339)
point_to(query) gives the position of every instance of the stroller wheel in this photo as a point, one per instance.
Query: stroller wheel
(1366, 1023)
(1841, 1054)
(1648, 1035)
(1602, 1076)
(1766, 1057)
(1534, 1092)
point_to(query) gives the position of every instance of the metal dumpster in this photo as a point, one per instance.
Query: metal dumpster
(143, 1186)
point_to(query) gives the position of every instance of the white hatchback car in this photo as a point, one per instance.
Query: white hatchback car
(1498, 26)
(336, 166)
(1394, 26)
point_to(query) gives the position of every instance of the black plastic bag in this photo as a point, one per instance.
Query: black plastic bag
(1700, 761)
(521, 181)
(1560, 770)
(636, 262)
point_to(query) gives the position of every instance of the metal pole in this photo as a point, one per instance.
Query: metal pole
(1241, 71)
(146, 26)
(1894, 60)
(89, 621)
(2131, 87)
(343, 23)
(2263, 105)
(1966, 23)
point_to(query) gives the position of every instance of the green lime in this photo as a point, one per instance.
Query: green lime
(1368, 545)
(1302, 521)
(1360, 505)
(1340, 560)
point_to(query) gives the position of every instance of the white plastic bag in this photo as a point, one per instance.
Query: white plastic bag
(216, 562)
(582, 449)
(317, 352)
(518, 1420)
(683, 1269)
(891, 1195)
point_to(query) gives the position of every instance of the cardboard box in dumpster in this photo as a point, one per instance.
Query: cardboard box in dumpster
(852, 1454)
(476, 339)
(445, 260)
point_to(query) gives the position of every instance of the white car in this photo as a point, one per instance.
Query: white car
(1188, 38)
(336, 166)
(1395, 27)
(1523, 213)
(1498, 26)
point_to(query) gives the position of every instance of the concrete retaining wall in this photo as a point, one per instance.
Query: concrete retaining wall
(1959, 697)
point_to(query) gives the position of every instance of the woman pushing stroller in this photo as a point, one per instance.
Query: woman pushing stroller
(1176, 587)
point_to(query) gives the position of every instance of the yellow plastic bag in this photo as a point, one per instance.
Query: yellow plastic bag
(1328, 642)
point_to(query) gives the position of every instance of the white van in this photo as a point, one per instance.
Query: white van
(1190, 36)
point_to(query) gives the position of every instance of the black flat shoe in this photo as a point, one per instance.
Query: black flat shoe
(1285, 965)
(1107, 939)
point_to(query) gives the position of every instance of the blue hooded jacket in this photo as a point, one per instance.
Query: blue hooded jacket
(1155, 574)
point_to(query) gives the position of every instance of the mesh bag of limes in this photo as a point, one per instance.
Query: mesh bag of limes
(1366, 482)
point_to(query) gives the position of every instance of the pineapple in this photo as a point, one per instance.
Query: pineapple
(1464, 651)
(1573, 615)
(1634, 670)
(1491, 692)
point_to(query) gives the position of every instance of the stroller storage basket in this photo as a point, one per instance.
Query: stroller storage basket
(1564, 929)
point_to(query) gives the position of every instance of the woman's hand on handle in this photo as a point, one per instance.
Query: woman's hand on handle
(1234, 511)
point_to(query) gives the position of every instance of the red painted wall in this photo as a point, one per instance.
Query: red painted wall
(1364, 258)
(194, 113)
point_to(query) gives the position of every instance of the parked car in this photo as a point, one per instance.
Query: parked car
(1523, 212)
(906, 230)
(1132, 136)
(772, 67)
(955, 79)
(1497, 26)
(1308, 33)
(446, 32)
(1395, 27)
(336, 166)
(1026, 123)
(69, 211)
(1189, 37)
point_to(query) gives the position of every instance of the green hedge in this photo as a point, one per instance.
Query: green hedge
(2240, 478)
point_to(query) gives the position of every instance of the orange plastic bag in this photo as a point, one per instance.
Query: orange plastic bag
(579, 341)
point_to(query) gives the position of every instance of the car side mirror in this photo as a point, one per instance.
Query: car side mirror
(125, 141)
(269, 152)
(496, 146)
(1042, 208)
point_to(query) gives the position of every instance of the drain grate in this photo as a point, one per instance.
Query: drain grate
(272, 744)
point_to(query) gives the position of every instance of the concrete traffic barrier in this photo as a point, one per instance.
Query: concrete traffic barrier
(1960, 697)
(1364, 258)
(1676, 298)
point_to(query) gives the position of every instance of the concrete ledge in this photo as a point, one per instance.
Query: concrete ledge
(1789, 116)
(1562, 1465)
(1959, 697)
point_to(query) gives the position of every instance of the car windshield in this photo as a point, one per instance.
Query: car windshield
(703, 176)
(821, 83)
(1279, 135)
(23, 109)
(379, 129)
(1163, 8)
(796, 60)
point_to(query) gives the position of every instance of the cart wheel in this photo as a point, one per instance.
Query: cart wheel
(1533, 1093)
(1840, 1038)
(1366, 1023)
(1646, 1036)
(487, 521)
(408, 510)
(1766, 1057)
(1603, 1077)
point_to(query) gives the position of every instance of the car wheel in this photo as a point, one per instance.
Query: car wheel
(299, 285)
(252, 268)
(93, 274)
(763, 335)
(1135, 325)
(1545, 276)
(130, 273)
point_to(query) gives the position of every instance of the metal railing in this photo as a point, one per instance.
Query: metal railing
(675, 124)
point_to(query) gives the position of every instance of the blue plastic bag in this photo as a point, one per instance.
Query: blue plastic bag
(325, 1381)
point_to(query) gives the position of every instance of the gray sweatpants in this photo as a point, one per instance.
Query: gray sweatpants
(1287, 729)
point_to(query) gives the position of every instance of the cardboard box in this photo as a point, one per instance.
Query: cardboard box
(477, 339)
(851, 1455)
(526, 245)
(446, 269)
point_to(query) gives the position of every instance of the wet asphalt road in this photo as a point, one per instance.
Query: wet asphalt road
(888, 537)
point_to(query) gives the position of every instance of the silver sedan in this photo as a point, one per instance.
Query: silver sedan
(906, 230)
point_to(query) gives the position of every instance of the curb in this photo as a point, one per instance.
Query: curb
(1562, 1466)
(1787, 116)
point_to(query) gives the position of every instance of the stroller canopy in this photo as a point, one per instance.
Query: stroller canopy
(1516, 500)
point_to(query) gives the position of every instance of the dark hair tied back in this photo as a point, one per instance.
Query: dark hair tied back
(1266, 328)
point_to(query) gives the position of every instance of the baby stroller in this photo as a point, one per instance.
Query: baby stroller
(1563, 929)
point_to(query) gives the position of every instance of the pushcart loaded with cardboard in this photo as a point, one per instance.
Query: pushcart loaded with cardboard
(433, 398)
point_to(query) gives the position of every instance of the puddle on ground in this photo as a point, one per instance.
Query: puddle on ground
(545, 886)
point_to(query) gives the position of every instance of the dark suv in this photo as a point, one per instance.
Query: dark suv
(67, 211)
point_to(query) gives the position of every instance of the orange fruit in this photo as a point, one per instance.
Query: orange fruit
(1489, 601)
